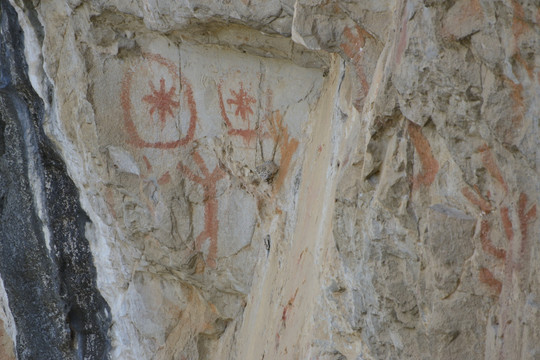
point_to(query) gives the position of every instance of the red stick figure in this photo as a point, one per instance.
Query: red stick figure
(211, 223)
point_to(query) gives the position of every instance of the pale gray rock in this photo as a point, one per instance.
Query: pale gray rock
(292, 179)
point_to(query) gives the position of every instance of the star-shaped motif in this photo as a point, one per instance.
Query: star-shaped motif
(161, 101)
(242, 101)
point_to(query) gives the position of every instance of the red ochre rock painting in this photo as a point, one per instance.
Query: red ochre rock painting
(403, 36)
(520, 28)
(211, 222)
(287, 146)
(430, 165)
(242, 101)
(525, 213)
(163, 179)
(491, 166)
(163, 101)
(353, 49)
(272, 127)
(148, 177)
(518, 109)
(287, 308)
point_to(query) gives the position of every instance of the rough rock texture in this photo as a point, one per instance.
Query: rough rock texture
(46, 266)
(250, 179)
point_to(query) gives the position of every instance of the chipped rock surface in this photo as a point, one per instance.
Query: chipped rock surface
(269, 179)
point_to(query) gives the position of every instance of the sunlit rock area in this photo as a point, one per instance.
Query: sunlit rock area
(269, 179)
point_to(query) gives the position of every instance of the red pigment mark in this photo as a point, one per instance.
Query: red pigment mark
(526, 66)
(148, 177)
(511, 266)
(211, 223)
(520, 27)
(287, 146)
(430, 165)
(487, 278)
(489, 163)
(160, 101)
(485, 275)
(487, 245)
(277, 130)
(164, 179)
(147, 163)
(242, 101)
(109, 200)
(467, 14)
(518, 103)
(353, 48)
(300, 257)
(507, 224)
(525, 218)
(479, 201)
(403, 37)
(526, 215)
(287, 308)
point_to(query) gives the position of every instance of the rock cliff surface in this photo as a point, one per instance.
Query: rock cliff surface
(269, 179)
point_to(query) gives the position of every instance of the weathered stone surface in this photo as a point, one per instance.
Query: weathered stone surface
(46, 266)
(278, 179)
(7, 328)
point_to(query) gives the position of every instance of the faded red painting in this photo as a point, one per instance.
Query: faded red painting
(162, 101)
(158, 106)
(503, 274)
(271, 128)
(241, 103)
(160, 112)
(403, 36)
(430, 165)
(286, 144)
(353, 48)
(522, 29)
(514, 254)
(208, 181)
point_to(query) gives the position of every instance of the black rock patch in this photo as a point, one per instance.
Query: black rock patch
(58, 310)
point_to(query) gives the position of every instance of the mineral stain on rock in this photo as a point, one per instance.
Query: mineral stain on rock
(46, 264)
(269, 179)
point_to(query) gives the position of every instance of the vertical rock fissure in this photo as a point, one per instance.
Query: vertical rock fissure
(58, 310)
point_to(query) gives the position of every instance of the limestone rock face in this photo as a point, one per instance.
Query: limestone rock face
(283, 179)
